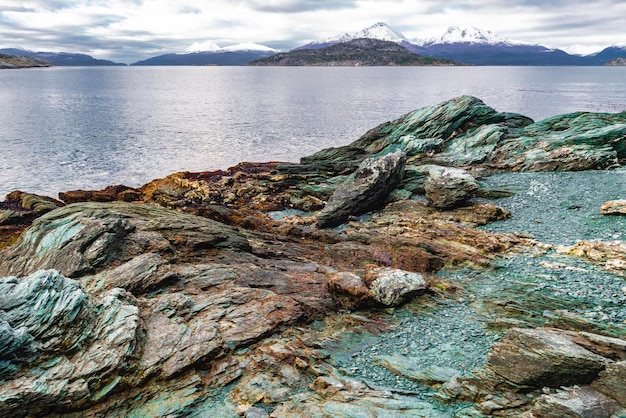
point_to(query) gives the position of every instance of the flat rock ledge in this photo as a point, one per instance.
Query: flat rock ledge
(223, 292)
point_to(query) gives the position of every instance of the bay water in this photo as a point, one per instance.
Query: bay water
(68, 128)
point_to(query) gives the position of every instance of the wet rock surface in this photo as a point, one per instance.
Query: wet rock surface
(217, 294)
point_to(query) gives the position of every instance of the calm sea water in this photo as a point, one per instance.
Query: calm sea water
(69, 128)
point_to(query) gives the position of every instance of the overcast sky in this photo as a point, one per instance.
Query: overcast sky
(131, 30)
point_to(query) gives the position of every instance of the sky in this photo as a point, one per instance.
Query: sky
(132, 30)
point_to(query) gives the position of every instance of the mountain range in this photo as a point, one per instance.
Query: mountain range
(468, 45)
(474, 46)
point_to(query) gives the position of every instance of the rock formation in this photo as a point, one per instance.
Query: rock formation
(234, 293)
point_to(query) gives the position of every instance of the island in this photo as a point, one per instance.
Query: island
(13, 61)
(357, 52)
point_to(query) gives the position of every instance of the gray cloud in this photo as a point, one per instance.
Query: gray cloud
(299, 6)
(286, 24)
(15, 9)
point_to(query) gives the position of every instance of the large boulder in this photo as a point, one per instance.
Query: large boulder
(571, 142)
(539, 357)
(465, 132)
(365, 190)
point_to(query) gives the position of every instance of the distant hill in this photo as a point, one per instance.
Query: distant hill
(356, 52)
(607, 54)
(13, 61)
(498, 54)
(207, 58)
(617, 62)
(60, 58)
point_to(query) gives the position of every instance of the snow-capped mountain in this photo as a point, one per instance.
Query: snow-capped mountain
(210, 53)
(454, 34)
(250, 46)
(474, 46)
(470, 35)
(380, 31)
(207, 46)
(210, 46)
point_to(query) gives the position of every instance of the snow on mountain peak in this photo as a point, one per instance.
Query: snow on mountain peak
(249, 46)
(469, 34)
(207, 46)
(210, 46)
(380, 31)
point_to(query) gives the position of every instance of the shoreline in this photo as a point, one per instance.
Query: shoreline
(186, 286)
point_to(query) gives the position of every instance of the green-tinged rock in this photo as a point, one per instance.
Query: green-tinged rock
(142, 273)
(21, 208)
(81, 238)
(357, 405)
(411, 369)
(570, 142)
(85, 347)
(465, 132)
(54, 309)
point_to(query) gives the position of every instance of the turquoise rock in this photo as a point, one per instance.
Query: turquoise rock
(465, 132)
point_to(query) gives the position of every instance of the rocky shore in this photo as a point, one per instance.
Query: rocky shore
(362, 281)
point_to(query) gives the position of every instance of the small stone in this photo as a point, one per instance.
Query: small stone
(613, 207)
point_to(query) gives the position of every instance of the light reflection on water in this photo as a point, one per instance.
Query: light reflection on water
(66, 128)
